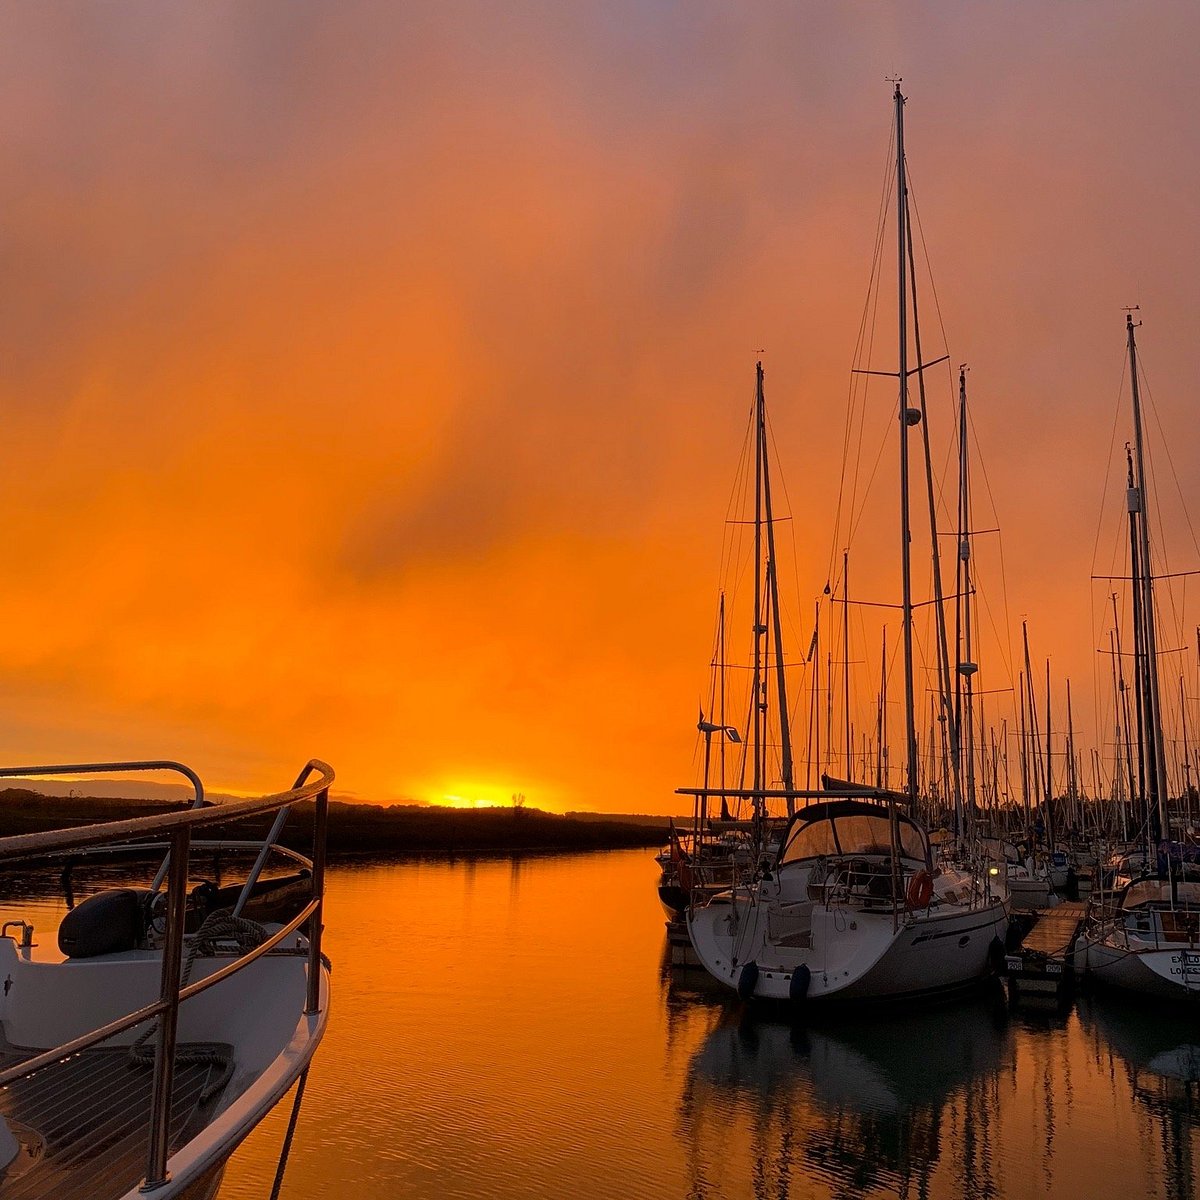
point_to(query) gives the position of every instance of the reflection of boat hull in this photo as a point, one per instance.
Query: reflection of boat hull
(851, 954)
(916, 1057)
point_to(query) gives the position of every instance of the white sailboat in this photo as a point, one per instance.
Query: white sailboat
(1146, 936)
(852, 905)
(853, 908)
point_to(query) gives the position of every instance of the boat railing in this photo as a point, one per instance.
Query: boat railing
(1169, 922)
(312, 783)
(861, 883)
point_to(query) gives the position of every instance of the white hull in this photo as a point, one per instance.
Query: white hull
(1026, 892)
(258, 1013)
(1169, 971)
(851, 953)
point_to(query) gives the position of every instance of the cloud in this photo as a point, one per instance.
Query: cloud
(374, 376)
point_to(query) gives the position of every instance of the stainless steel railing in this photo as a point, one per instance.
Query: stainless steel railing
(179, 826)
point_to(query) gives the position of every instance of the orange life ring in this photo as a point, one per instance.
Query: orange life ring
(920, 890)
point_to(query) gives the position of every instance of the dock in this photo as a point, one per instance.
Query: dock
(1041, 968)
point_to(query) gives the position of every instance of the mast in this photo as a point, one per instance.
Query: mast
(760, 629)
(1072, 772)
(966, 664)
(846, 656)
(1140, 686)
(910, 723)
(814, 729)
(1157, 774)
(1049, 766)
(1187, 764)
(1035, 773)
(1123, 740)
(785, 732)
(721, 687)
(881, 764)
(1024, 754)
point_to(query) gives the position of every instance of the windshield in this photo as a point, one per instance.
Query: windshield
(850, 829)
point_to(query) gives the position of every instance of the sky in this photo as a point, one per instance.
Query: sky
(374, 376)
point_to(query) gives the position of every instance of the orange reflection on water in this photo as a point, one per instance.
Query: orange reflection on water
(509, 1028)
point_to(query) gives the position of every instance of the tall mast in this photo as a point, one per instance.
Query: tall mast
(1140, 683)
(1035, 774)
(785, 731)
(1187, 764)
(1024, 753)
(1072, 772)
(1049, 765)
(1158, 767)
(966, 664)
(758, 695)
(1123, 740)
(721, 687)
(880, 768)
(910, 722)
(846, 656)
(814, 730)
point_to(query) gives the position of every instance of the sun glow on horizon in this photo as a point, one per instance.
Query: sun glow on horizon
(450, 801)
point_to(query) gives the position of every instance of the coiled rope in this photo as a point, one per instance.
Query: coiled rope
(219, 926)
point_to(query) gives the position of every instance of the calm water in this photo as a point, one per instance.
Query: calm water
(510, 1029)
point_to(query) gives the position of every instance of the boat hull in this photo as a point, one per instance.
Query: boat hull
(1031, 892)
(851, 954)
(1172, 971)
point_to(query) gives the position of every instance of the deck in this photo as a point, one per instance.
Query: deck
(82, 1123)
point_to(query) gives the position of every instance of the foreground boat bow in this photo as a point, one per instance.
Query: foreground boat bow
(137, 1059)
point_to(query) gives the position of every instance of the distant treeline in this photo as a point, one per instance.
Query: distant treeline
(364, 828)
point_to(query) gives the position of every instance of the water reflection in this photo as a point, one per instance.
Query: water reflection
(493, 1039)
(870, 1107)
(1159, 1050)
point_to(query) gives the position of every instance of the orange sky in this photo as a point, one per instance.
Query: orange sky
(374, 376)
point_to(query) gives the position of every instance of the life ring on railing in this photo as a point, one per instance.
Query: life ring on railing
(920, 890)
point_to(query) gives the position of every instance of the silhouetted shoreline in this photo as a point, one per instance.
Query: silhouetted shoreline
(357, 830)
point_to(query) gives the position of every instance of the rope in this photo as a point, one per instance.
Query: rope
(223, 926)
(291, 1133)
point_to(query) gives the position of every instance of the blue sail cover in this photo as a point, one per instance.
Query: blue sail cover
(1173, 855)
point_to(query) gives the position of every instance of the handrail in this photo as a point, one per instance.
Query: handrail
(271, 838)
(85, 1041)
(25, 844)
(171, 994)
(87, 768)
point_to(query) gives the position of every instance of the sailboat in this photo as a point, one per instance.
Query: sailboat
(1146, 936)
(852, 906)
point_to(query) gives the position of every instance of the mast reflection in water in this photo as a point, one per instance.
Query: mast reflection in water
(876, 1106)
(956, 1101)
